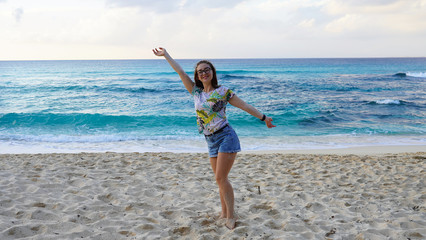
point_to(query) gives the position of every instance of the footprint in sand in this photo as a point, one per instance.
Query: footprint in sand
(26, 231)
(182, 231)
(258, 207)
(146, 227)
(315, 206)
(167, 214)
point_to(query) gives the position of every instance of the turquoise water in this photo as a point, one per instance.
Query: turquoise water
(141, 105)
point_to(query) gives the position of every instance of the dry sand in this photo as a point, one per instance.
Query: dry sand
(174, 196)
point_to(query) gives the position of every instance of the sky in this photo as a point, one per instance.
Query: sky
(129, 29)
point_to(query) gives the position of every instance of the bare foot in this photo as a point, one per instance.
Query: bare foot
(231, 223)
(222, 216)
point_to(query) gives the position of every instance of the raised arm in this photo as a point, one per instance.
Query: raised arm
(239, 103)
(186, 80)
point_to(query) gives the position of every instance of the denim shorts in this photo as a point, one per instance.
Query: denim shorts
(225, 140)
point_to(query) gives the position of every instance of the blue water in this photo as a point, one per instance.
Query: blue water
(141, 105)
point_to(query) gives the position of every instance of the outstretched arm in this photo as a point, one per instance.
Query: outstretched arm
(186, 80)
(239, 103)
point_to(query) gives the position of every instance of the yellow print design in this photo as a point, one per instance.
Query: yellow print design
(205, 117)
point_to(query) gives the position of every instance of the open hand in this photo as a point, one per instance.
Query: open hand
(161, 52)
(268, 122)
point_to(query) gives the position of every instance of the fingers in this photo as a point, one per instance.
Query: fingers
(158, 52)
(268, 122)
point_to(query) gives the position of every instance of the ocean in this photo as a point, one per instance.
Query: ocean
(142, 106)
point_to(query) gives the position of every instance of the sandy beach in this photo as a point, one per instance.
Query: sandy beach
(174, 196)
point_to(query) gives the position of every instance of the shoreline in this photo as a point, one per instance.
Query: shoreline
(357, 150)
(361, 150)
(336, 144)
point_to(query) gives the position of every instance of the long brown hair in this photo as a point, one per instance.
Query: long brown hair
(198, 83)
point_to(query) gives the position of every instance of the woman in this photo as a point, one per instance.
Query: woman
(210, 104)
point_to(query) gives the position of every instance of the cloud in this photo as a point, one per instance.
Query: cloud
(214, 4)
(167, 6)
(215, 29)
(307, 23)
(347, 23)
(376, 18)
(18, 14)
(160, 6)
(340, 7)
(293, 27)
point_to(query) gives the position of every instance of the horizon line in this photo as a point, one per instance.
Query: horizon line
(230, 58)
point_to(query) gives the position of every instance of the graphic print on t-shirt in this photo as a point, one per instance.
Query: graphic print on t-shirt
(210, 108)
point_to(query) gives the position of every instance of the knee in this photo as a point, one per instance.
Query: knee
(221, 180)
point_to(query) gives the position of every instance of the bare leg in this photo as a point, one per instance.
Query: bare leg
(213, 162)
(223, 167)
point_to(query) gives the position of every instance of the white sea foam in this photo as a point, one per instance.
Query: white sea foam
(100, 138)
(199, 145)
(417, 74)
(327, 142)
(388, 101)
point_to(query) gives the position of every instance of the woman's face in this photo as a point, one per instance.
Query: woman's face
(205, 73)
